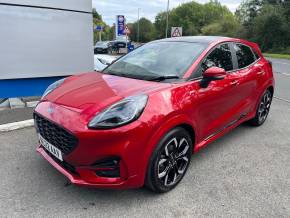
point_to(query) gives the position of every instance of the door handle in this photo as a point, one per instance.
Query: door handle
(261, 73)
(235, 83)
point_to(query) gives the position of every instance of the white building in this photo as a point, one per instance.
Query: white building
(45, 38)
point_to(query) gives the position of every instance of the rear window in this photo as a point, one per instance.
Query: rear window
(245, 55)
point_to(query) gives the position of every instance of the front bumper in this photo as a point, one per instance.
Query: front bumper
(127, 143)
(83, 177)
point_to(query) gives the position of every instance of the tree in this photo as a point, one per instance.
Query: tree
(285, 4)
(160, 25)
(107, 33)
(266, 22)
(147, 30)
(96, 15)
(224, 27)
(248, 10)
(271, 29)
(193, 17)
(246, 13)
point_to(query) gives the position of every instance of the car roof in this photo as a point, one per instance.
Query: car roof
(201, 39)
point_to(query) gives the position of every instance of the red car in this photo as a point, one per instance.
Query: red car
(139, 121)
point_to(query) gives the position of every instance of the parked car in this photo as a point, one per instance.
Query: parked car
(103, 47)
(139, 121)
(102, 61)
(118, 44)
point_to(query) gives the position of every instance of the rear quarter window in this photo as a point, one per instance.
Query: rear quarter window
(257, 56)
(245, 55)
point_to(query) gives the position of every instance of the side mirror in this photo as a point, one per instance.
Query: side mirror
(215, 73)
(212, 74)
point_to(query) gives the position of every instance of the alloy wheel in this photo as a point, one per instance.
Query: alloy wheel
(264, 107)
(173, 161)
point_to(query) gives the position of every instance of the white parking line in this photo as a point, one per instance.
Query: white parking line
(282, 99)
(285, 74)
(278, 62)
(32, 104)
(17, 125)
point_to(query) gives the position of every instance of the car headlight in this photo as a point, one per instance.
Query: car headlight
(52, 87)
(104, 61)
(121, 113)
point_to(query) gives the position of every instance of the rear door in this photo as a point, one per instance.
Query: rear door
(247, 70)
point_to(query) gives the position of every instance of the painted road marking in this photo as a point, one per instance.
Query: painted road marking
(282, 99)
(17, 125)
(278, 62)
(285, 74)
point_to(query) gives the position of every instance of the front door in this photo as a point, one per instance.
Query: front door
(216, 106)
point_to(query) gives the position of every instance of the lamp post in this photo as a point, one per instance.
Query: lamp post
(167, 18)
(138, 31)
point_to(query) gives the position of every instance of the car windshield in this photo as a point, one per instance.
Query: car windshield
(163, 60)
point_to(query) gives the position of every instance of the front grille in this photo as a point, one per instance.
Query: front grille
(55, 135)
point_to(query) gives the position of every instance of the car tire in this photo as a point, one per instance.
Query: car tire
(263, 109)
(169, 161)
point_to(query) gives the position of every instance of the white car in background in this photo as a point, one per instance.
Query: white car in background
(102, 61)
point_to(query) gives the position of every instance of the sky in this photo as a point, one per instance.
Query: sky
(149, 8)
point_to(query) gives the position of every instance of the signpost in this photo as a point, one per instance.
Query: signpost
(176, 31)
(127, 32)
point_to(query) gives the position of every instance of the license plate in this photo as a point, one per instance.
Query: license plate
(50, 148)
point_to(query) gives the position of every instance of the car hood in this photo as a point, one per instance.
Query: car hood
(108, 58)
(95, 91)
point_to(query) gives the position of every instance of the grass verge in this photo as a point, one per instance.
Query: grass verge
(281, 56)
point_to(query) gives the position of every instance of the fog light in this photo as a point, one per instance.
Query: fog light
(115, 173)
(109, 167)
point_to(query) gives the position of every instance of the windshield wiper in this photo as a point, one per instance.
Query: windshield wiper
(115, 73)
(147, 76)
(165, 77)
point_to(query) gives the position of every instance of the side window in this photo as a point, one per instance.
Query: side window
(245, 55)
(219, 57)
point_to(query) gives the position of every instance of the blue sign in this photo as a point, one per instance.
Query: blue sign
(11, 88)
(99, 28)
(131, 47)
(120, 25)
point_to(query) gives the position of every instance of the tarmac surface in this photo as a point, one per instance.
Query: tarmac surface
(244, 174)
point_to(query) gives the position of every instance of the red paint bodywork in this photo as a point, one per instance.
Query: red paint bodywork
(206, 111)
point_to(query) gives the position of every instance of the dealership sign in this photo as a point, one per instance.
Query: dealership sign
(120, 25)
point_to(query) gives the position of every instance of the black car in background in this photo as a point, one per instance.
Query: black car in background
(117, 45)
(108, 47)
(103, 47)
